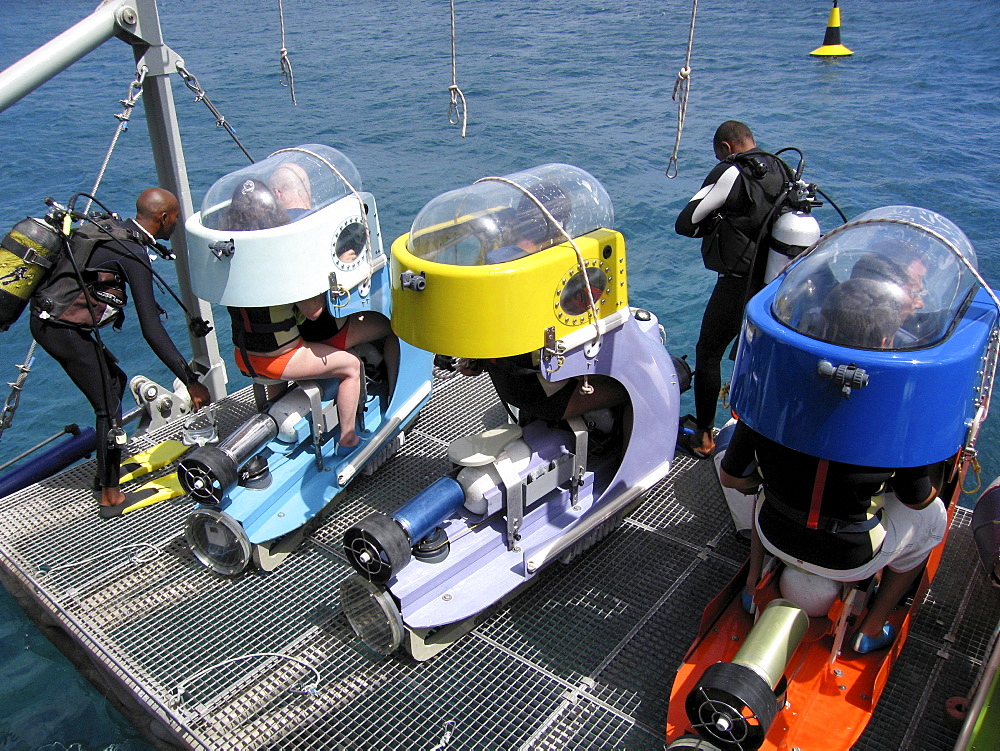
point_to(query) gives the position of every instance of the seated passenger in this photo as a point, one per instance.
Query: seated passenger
(293, 193)
(292, 189)
(844, 522)
(533, 230)
(517, 379)
(267, 340)
(907, 271)
(519, 382)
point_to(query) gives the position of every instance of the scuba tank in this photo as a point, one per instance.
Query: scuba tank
(793, 232)
(27, 254)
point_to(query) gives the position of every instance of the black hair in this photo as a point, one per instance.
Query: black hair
(863, 313)
(253, 206)
(733, 132)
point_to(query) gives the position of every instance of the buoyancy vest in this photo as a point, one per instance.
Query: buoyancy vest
(264, 329)
(731, 240)
(102, 298)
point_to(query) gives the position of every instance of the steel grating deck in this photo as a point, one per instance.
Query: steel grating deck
(584, 659)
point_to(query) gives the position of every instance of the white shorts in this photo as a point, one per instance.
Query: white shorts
(910, 535)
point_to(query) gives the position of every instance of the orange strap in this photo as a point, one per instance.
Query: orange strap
(812, 522)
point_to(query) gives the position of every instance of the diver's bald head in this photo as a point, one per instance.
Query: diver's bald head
(157, 210)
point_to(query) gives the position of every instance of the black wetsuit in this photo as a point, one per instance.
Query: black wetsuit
(819, 511)
(741, 204)
(78, 352)
(516, 380)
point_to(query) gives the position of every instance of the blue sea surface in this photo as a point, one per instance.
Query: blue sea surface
(910, 118)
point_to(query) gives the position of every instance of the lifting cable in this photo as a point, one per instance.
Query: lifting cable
(681, 88)
(287, 77)
(306, 689)
(129, 102)
(457, 112)
(200, 96)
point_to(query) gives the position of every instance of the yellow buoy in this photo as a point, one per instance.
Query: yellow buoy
(831, 42)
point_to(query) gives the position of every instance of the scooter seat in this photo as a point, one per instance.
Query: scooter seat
(482, 448)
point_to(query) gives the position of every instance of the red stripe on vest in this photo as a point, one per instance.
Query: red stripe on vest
(817, 495)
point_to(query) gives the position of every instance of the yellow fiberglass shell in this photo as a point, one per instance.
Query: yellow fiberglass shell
(503, 309)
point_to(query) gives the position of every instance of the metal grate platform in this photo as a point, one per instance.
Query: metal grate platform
(583, 659)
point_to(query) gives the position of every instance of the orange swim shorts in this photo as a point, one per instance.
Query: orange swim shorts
(266, 367)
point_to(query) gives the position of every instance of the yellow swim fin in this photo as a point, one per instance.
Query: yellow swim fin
(161, 489)
(152, 459)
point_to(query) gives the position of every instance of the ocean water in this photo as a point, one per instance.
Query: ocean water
(909, 119)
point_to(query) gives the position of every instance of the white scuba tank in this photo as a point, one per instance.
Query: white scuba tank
(793, 232)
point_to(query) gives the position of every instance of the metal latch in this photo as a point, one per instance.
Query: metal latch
(223, 248)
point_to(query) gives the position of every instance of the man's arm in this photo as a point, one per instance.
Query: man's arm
(739, 466)
(140, 282)
(721, 182)
(915, 487)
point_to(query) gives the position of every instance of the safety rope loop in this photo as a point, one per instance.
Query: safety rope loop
(682, 88)
(287, 77)
(457, 112)
(977, 473)
(200, 96)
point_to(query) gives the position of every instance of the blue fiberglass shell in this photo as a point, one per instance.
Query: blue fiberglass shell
(925, 380)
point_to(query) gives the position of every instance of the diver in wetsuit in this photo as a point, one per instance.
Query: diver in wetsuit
(64, 318)
(734, 205)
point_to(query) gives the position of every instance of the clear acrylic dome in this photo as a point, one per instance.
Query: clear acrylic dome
(892, 278)
(496, 220)
(283, 188)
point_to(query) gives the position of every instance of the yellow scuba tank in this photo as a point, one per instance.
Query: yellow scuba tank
(27, 254)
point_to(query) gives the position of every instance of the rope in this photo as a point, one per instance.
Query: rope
(977, 471)
(287, 77)
(592, 306)
(681, 88)
(129, 102)
(14, 398)
(309, 689)
(457, 112)
(45, 569)
(200, 96)
(446, 736)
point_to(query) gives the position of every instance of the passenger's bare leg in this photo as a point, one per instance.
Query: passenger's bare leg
(370, 327)
(891, 589)
(318, 360)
